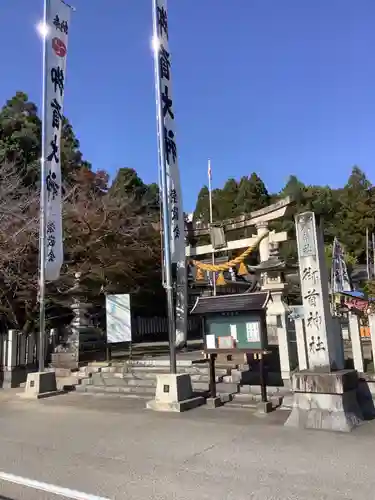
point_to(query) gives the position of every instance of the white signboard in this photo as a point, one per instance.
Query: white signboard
(118, 316)
(253, 331)
(233, 331)
(58, 24)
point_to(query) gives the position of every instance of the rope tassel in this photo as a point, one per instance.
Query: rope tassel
(242, 270)
(221, 280)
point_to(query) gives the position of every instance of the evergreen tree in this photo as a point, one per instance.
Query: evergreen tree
(202, 209)
(252, 195)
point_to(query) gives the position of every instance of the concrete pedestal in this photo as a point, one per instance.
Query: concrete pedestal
(40, 385)
(212, 403)
(325, 401)
(174, 393)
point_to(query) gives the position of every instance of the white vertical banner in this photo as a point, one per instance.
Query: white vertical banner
(58, 23)
(177, 223)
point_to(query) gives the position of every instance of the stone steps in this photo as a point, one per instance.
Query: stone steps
(124, 391)
(150, 371)
(104, 380)
(114, 391)
(138, 378)
(195, 377)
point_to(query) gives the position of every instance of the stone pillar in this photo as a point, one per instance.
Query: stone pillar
(355, 335)
(22, 350)
(277, 313)
(325, 395)
(301, 343)
(31, 358)
(323, 352)
(371, 321)
(277, 310)
(262, 228)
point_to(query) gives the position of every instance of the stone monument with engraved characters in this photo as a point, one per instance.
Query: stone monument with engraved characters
(325, 395)
(323, 345)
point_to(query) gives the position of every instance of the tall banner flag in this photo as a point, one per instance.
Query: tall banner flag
(58, 22)
(177, 222)
(340, 281)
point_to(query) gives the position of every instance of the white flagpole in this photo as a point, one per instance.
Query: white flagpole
(211, 221)
(165, 197)
(42, 234)
(54, 30)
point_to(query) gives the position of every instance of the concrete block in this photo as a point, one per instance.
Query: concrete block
(214, 402)
(174, 393)
(264, 407)
(175, 406)
(325, 401)
(14, 377)
(40, 385)
(324, 382)
(331, 412)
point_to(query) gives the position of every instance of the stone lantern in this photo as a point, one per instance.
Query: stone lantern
(82, 336)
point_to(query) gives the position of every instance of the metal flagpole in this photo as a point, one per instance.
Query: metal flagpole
(211, 220)
(42, 234)
(165, 197)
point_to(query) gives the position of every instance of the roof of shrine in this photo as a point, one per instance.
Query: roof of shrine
(255, 301)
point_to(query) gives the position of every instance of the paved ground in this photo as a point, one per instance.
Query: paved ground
(115, 449)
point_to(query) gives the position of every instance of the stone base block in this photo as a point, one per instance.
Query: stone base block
(325, 401)
(40, 385)
(174, 393)
(213, 402)
(12, 378)
(264, 408)
(176, 406)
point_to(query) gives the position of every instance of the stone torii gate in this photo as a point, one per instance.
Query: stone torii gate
(277, 312)
(260, 219)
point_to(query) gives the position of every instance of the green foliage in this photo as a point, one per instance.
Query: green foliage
(347, 212)
(252, 195)
(110, 235)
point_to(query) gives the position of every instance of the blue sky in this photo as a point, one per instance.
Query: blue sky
(278, 87)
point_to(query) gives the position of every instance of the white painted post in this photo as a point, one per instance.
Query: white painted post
(282, 335)
(301, 344)
(356, 343)
(12, 349)
(371, 322)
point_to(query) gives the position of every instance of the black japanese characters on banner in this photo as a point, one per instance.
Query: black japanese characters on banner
(57, 78)
(168, 114)
(162, 22)
(61, 25)
(51, 241)
(56, 114)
